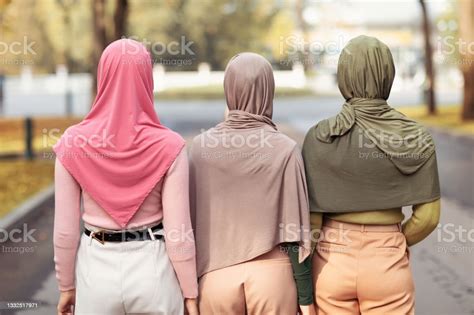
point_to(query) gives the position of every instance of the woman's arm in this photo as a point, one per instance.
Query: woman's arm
(67, 232)
(302, 275)
(423, 221)
(177, 225)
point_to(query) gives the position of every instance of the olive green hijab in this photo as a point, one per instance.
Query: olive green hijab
(365, 75)
(371, 153)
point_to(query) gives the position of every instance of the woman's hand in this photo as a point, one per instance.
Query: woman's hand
(67, 299)
(307, 309)
(191, 307)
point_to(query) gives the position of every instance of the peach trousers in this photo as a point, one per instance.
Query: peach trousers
(264, 285)
(362, 269)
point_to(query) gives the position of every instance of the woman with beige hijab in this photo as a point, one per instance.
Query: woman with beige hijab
(249, 204)
(362, 167)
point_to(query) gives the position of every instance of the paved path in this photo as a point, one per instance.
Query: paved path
(27, 265)
(443, 269)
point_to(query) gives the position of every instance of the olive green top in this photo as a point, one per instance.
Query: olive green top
(424, 219)
(369, 156)
(345, 177)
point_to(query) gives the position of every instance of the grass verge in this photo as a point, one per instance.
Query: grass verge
(447, 117)
(46, 131)
(20, 179)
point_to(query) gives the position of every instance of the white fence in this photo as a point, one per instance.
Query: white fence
(294, 78)
(36, 95)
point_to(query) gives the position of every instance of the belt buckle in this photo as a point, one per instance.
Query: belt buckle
(100, 240)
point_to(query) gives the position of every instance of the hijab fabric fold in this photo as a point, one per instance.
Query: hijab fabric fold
(365, 75)
(407, 144)
(369, 150)
(248, 191)
(120, 151)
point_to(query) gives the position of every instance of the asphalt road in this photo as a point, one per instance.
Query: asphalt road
(443, 265)
(26, 264)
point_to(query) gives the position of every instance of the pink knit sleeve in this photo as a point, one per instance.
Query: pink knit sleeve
(177, 225)
(67, 232)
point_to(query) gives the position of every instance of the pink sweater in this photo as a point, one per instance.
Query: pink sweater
(168, 202)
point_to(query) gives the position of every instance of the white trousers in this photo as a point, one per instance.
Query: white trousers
(126, 278)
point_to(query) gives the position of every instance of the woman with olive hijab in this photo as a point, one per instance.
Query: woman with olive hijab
(248, 199)
(362, 167)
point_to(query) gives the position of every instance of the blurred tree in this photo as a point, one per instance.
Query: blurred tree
(218, 29)
(120, 19)
(429, 89)
(279, 38)
(466, 50)
(177, 30)
(42, 24)
(222, 28)
(302, 29)
(21, 24)
(66, 26)
(214, 30)
(447, 24)
(66, 7)
(3, 5)
(300, 6)
(100, 37)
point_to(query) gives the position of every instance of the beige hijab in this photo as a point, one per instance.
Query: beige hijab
(248, 191)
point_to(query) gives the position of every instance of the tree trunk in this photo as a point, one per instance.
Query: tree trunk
(3, 6)
(468, 101)
(303, 30)
(466, 19)
(301, 24)
(100, 37)
(429, 89)
(120, 19)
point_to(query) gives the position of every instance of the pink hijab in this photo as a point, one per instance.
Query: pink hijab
(120, 151)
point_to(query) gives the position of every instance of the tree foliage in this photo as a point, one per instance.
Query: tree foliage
(218, 29)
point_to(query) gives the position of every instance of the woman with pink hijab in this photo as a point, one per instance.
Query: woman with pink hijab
(136, 253)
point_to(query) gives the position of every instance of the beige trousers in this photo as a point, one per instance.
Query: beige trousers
(126, 278)
(362, 269)
(263, 285)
